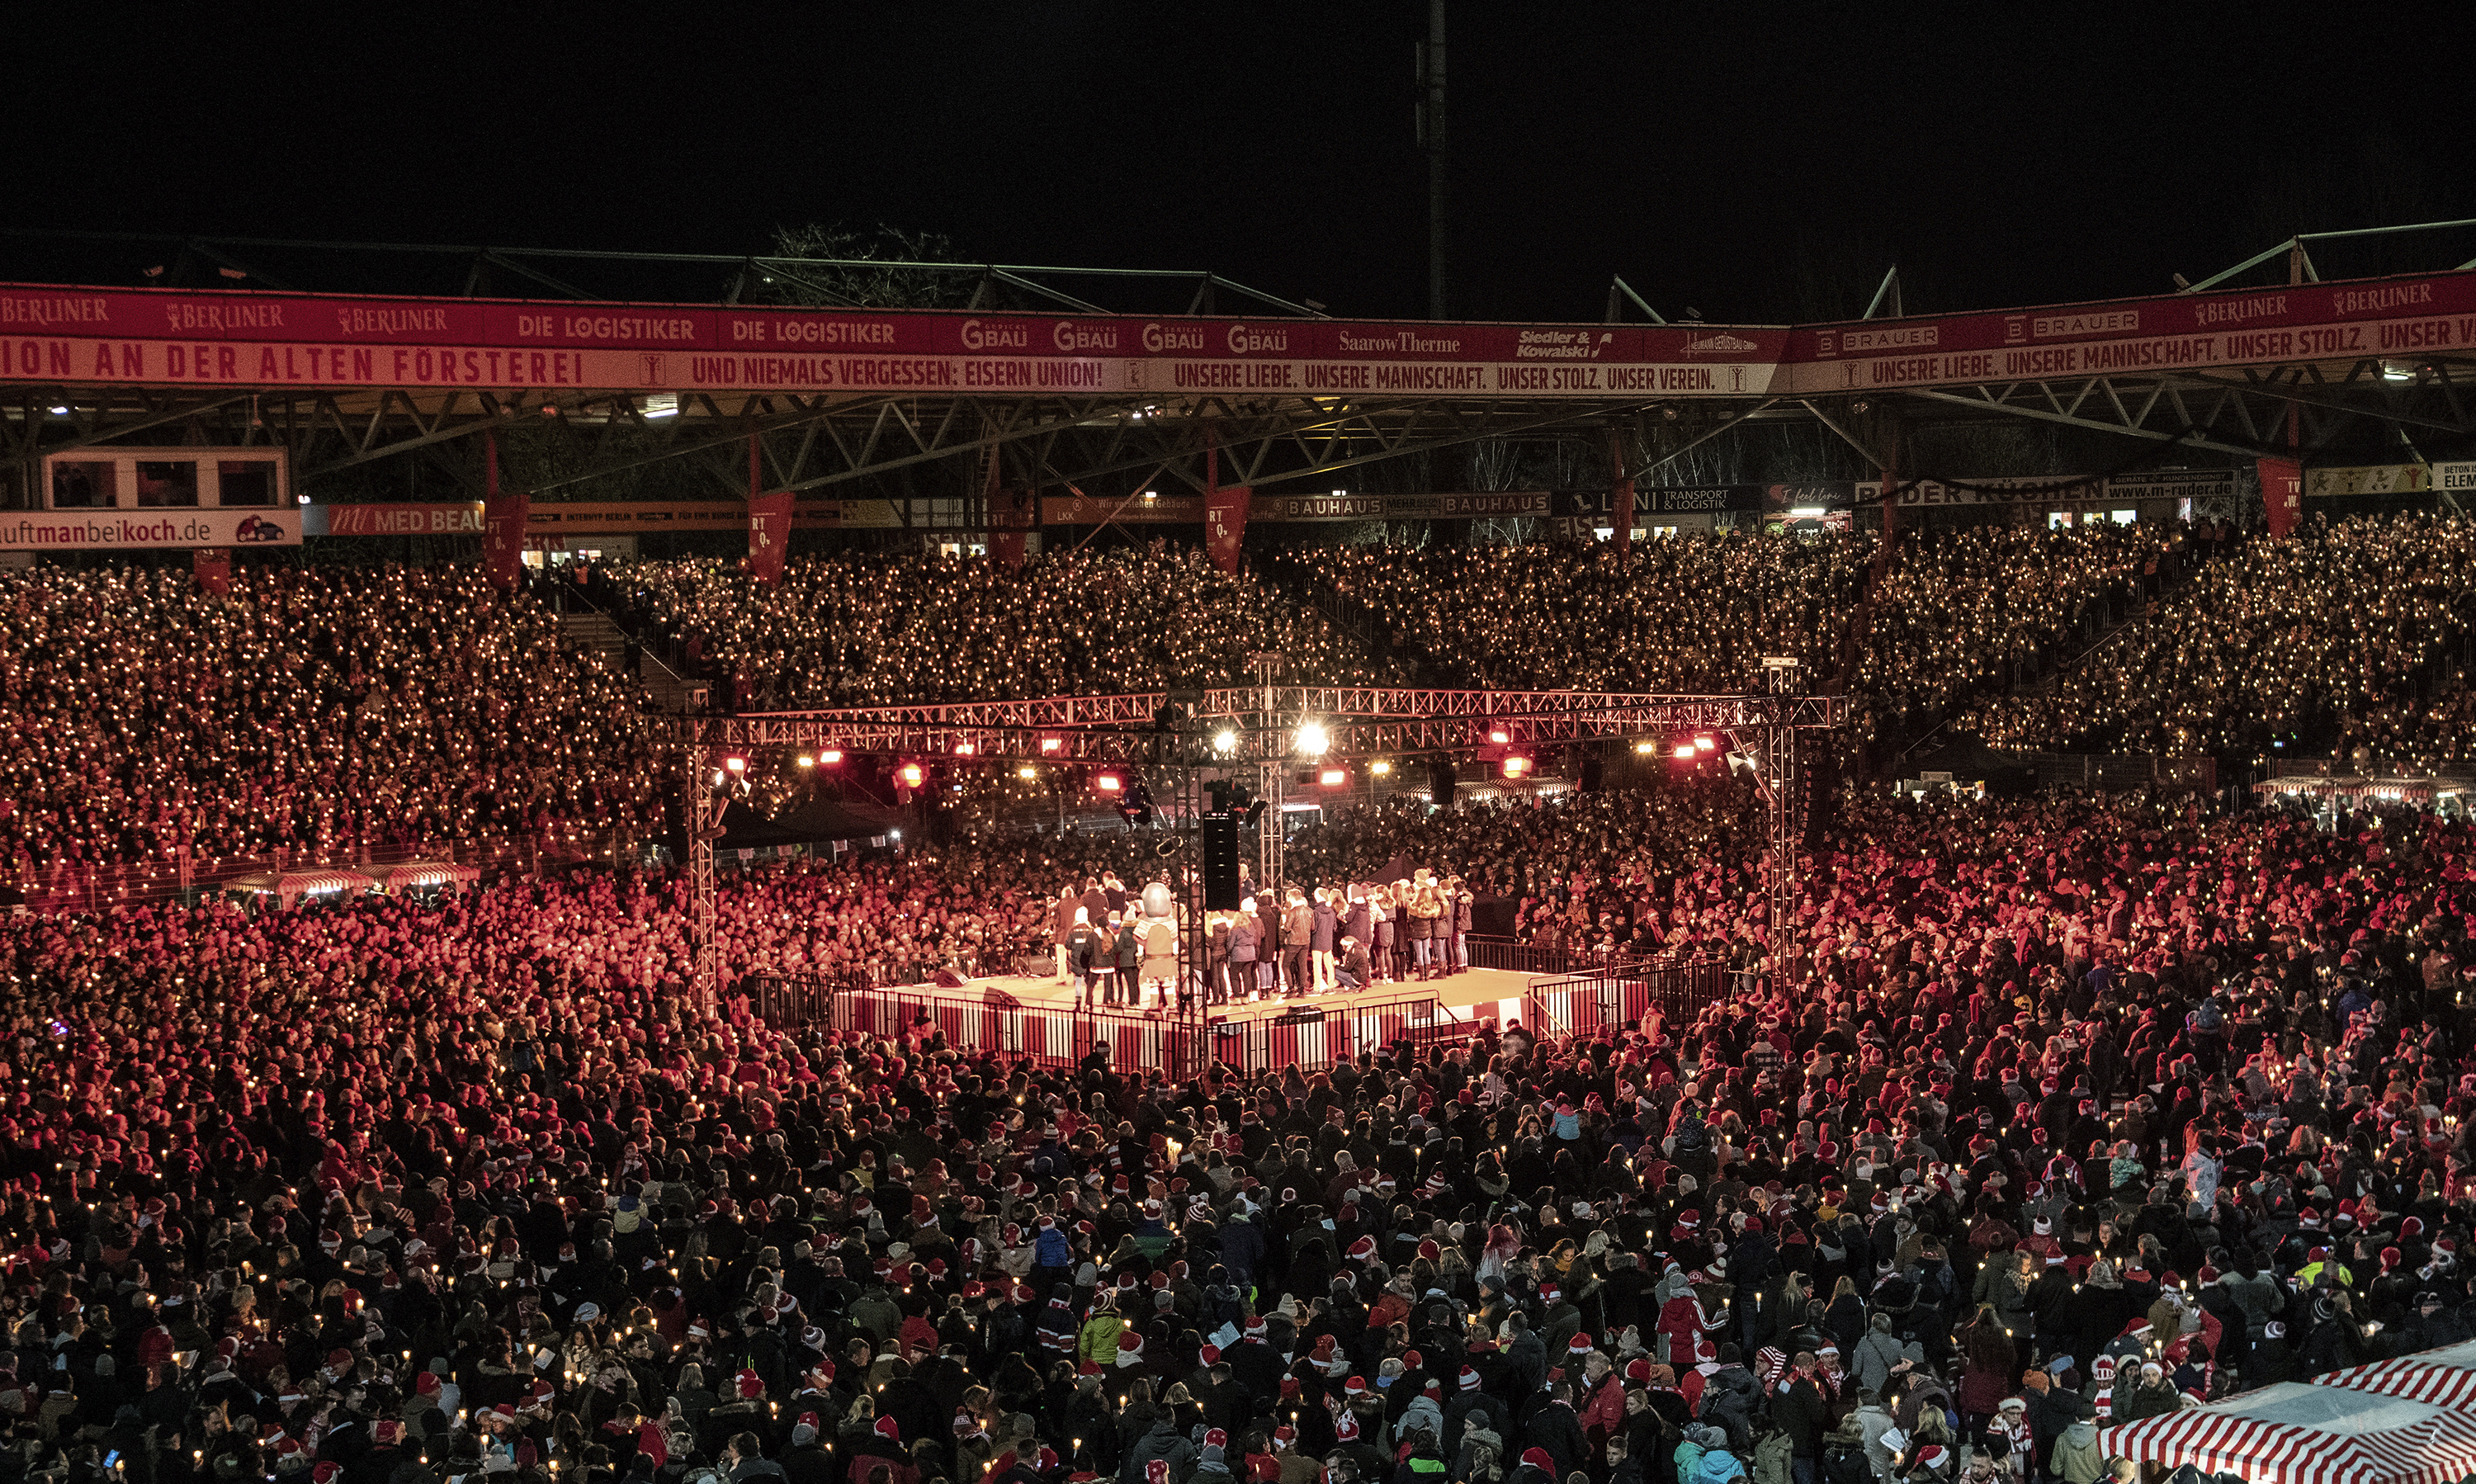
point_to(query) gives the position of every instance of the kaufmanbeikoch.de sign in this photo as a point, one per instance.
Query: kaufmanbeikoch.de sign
(87, 530)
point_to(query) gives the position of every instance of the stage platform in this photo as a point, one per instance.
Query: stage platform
(1472, 993)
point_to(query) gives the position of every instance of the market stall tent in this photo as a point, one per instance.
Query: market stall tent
(423, 876)
(2446, 1378)
(2296, 1433)
(290, 886)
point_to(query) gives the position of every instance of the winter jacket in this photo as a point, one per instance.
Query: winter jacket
(1718, 1466)
(1052, 1250)
(1873, 1358)
(1770, 1459)
(1728, 1399)
(1872, 1421)
(1163, 1442)
(1098, 1341)
(1800, 1412)
(2077, 1458)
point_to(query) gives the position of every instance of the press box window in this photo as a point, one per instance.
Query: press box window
(167, 484)
(245, 481)
(84, 484)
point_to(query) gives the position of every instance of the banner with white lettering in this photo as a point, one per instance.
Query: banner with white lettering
(502, 520)
(2282, 492)
(71, 531)
(1225, 524)
(115, 337)
(405, 518)
(2339, 322)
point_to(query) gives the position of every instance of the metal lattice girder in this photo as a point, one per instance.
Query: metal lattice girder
(1358, 721)
(2238, 413)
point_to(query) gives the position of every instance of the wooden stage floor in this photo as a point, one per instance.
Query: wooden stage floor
(1469, 994)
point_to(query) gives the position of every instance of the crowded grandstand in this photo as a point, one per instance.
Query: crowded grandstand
(1858, 980)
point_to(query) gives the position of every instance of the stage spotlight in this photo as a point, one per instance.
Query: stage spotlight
(1109, 783)
(1516, 766)
(1683, 751)
(1645, 747)
(1333, 778)
(1704, 742)
(1050, 747)
(830, 757)
(736, 764)
(1226, 740)
(1027, 772)
(911, 775)
(1498, 734)
(1380, 767)
(806, 762)
(965, 748)
(1313, 739)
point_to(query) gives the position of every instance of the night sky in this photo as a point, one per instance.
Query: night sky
(1757, 164)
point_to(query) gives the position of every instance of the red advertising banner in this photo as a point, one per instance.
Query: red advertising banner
(2334, 321)
(769, 535)
(1011, 514)
(211, 568)
(1225, 524)
(2281, 494)
(502, 523)
(403, 518)
(68, 335)
(241, 338)
(768, 520)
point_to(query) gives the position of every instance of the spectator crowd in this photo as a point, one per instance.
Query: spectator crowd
(2039, 1115)
(2042, 1115)
(316, 711)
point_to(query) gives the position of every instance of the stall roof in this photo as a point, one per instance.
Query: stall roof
(2294, 1433)
(295, 884)
(414, 874)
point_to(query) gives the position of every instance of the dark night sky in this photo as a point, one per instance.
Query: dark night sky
(1758, 163)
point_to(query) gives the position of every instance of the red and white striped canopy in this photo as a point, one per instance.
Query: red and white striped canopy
(2446, 1378)
(2294, 1433)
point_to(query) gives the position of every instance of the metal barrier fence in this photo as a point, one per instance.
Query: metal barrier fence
(1515, 956)
(1607, 1001)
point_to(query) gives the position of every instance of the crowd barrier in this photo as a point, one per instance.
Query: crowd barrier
(1605, 1001)
(1517, 956)
(1308, 1036)
(1311, 1036)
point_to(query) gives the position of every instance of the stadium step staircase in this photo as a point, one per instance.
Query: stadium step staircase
(592, 632)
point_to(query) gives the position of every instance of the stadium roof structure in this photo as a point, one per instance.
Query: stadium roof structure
(1051, 377)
